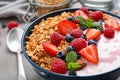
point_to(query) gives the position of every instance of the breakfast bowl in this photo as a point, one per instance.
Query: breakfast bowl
(43, 55)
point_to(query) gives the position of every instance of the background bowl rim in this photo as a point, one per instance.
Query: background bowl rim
(36, 21)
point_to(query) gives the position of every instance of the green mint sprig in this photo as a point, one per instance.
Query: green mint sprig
(73, 66)
(89, 23)
(71, 59)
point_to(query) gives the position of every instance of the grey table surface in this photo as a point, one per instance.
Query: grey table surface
(8, 59)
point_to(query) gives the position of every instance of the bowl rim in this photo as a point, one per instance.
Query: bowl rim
(36, 21)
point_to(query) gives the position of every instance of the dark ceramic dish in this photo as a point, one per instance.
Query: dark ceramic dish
(48, 75)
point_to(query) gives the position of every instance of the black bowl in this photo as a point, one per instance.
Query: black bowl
(48, 75)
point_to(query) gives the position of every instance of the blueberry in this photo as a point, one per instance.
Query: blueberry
(70, 18)
(61, 55)
(4, 25)
(101, 21)
(92, 42)
(73, 73)
(83, 27)
(78, 55)
(69, 38)
(84, 37)
(69, 48)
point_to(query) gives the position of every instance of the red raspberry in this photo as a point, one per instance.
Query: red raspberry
(78, 44)
(12, 24)
(109, 33)
(56, 38)
(85, 10)
(76, 33)
(97, 15)
(58, 66)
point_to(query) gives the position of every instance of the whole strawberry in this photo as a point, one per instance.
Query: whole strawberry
(56, 38)
(76, 33)
(12, 24)
(58, 66)
(78, 44)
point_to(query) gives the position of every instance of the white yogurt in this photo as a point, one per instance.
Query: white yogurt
(109, 57)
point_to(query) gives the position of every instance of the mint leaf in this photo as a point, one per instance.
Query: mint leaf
(89, 23)
(71, 57)
(73, 66)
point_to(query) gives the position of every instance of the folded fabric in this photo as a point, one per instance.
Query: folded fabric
(16, 8)
(13, 8)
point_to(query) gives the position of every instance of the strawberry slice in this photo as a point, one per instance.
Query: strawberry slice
(66, 26)
(50, 48)
(90, 53)
(93, 33)
(112, 23)
(81, 13)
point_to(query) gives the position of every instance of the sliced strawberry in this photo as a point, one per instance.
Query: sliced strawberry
(112, 23)
(81, 13)
(93, 33)
(50, 48)
(90, 53)
(66, 26)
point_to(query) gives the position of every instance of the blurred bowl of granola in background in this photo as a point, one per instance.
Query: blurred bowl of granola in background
(45, 6)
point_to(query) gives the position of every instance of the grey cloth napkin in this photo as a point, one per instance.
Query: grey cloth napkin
(18, 8)
(13, 8)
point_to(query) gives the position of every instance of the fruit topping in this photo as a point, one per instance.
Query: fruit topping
(50, 48)
(83, 36)
(93, 33)
(112, 23)
(56, 38)
(61, 55)
(101, 21)
(76, 33)
(82, 27)
(85, 10)
(69, 38)
(71, 18)
(72, 73)
(78, 55)
(90, 53)
(109, 33)
(12, 24)
(58, 66)
(78, 44)
(3, 24)
(65, 26)
(92, 42)
(81, 14)
(97, 15)
(69, 48)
